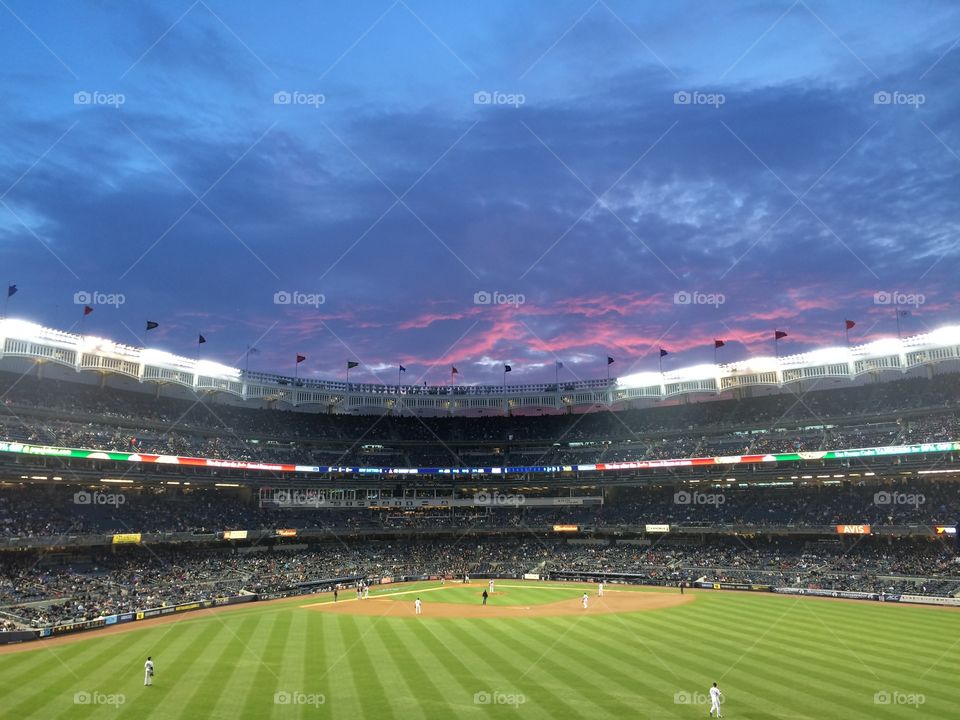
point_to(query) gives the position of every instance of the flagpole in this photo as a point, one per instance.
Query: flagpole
(896, 314)
(846, 328)
(715, 348)
(556, 367)
(398, 376)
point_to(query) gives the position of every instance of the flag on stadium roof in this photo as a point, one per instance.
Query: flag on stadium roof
(352, 364)
(87, 310)
(11, 290)
(777, 334)
(453, 370)
(718, 344)
(559, 365)
(663, 352)
(301, 358)
(151, 325)
(507, 368)
(402, 369)
(610, 360)
(904, 313)
(201, 340)
(849, 324)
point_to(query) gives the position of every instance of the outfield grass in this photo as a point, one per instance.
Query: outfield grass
(774, 657)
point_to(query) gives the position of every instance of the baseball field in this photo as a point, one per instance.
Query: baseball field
(532, 652)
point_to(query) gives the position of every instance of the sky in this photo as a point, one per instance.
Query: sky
(430, 183)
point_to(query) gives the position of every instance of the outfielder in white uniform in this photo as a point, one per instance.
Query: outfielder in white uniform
(584, 600)
(600, 590)
(418, 606)
(715, 696)
(148, 672)
(490, 586)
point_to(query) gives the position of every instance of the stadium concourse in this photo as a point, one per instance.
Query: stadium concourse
(91, 539)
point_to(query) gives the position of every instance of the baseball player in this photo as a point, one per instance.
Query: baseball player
(484, 597)
(418, 606)
(715, 696)
(366, 591)
(600, 589)
(584, 600)
(148, 672)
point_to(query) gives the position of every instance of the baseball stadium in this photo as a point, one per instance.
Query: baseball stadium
(288, 548)
(479, 360)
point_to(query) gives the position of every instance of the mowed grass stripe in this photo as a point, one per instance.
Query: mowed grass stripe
(809, 639)
(173, 667)
(464, 677)
(270, 635)
(371, 692)
(404, 688)
(504, 671)
(734, 660)
(346, 680)
(543, 672)
(399, 637)
(222, 669)
(560, 635)
(58, 685)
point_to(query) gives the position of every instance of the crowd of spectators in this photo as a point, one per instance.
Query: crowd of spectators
(76, 415)
(35, 593)
(34, 510)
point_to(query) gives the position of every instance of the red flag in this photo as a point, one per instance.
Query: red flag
(87, 309)
(718, 344)
(777, 334)
(301, 358)
(849, 324)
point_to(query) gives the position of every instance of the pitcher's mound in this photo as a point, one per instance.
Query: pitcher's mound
(612, 602)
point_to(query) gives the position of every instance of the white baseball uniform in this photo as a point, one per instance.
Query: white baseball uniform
(148, 672)
(715, 695)
(585, 598)
(600, 590)
(418, 605)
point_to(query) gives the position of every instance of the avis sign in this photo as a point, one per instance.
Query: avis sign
(853, 529)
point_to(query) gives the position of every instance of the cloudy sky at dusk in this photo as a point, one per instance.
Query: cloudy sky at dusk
(474, 183)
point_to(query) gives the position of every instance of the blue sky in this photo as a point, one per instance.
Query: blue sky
(614, 177)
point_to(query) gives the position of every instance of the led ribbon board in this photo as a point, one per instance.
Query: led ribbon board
(886, 451)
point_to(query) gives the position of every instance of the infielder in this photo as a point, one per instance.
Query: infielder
(715, 696)
(418, 606)
(584, 600)
(600, 589)
(366, 591)
(490, 586)
(148, 672)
